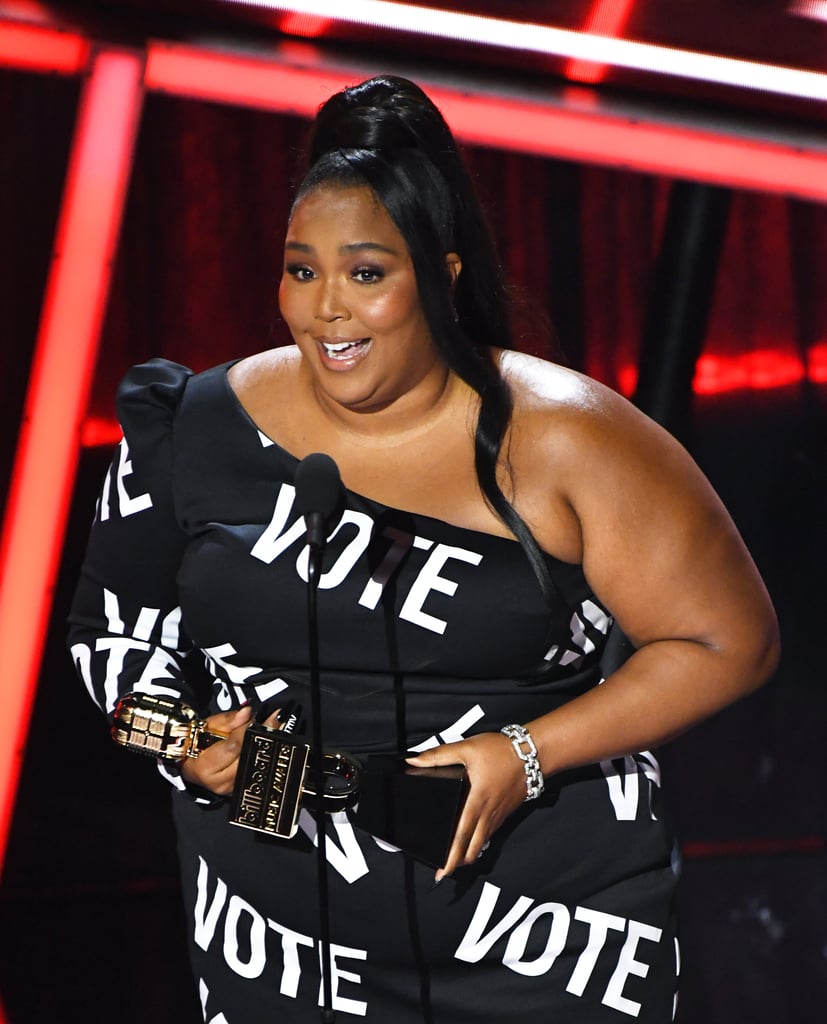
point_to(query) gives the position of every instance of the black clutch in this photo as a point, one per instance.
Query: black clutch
(416, 809)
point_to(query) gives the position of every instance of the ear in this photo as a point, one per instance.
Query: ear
(453, 265)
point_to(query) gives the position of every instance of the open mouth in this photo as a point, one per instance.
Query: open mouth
(342, 351)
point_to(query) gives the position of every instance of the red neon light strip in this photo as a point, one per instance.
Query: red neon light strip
(547, 39)
(28, 48)
(243, 81)
(56, 401)
(654, 148)
(508, 123)
(607, 18)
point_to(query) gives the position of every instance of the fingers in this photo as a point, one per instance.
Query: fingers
(496, 789)
(215, 768)
(226, 722)
(465, 840)
(466, 848)
(481, 816)
(445, 753)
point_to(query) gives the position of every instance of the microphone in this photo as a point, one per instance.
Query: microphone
(319, 496)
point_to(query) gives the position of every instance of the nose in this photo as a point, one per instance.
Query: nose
(330, 303)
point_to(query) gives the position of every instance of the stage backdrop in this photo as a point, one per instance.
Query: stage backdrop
(90, 878)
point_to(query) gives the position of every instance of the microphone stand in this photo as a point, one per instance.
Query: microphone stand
(314, 572)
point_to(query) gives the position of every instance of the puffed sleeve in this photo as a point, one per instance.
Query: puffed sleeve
(125, 630)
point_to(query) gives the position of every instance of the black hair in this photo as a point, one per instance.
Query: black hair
(387, 134)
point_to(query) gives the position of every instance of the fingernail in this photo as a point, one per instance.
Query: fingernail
(439, 881)
(286, 711)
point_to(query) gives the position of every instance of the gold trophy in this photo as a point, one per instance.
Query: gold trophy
(273, 774)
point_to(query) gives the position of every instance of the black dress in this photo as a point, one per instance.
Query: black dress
(428, 633)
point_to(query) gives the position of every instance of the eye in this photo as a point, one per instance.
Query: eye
(299, 271)
(368, 275)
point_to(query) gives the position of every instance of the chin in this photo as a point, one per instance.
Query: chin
(356, 395)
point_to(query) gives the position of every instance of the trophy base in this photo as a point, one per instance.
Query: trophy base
(268, 786)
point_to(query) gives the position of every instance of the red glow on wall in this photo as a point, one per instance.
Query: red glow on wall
(817, 363)
(627, 379)
(99, 432)
(759, 370)
(307, 26)
(606, 18)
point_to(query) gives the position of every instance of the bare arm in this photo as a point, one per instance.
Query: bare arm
(662, 553)
(609, 488)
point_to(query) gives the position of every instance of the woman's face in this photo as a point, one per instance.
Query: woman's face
(349, 296)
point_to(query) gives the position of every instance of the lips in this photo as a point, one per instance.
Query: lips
(343, 352)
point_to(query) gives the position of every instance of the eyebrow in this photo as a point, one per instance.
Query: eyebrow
(351, 247)
(362, 246)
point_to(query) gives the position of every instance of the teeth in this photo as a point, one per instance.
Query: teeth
(341, 348)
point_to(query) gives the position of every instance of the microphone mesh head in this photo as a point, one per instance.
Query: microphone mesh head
(318, 486)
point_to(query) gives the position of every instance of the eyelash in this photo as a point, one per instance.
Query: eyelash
(376, 274)
(298, 270)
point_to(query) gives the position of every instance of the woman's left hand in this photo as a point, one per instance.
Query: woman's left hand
(497, 787)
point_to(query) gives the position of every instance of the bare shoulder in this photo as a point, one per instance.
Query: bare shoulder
(565, 415)
(579, 449)
(264, 370)
(266, 384)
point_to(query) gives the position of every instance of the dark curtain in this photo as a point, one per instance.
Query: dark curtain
(196, 280)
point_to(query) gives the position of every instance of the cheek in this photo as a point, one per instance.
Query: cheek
(289, 302)
(392, 311)
(283, 294)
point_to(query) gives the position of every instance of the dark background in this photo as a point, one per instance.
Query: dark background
(90, 925)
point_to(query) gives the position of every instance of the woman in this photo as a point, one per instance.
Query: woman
(500, 511)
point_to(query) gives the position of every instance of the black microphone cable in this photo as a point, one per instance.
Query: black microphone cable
(319, 497)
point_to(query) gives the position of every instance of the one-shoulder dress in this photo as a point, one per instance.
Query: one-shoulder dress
(194, 585)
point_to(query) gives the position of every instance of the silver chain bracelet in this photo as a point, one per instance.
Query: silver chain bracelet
(520, 737)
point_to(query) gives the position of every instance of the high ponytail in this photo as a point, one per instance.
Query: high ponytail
(387, 133)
